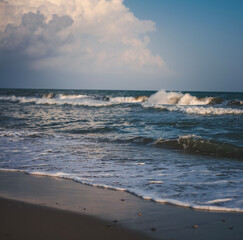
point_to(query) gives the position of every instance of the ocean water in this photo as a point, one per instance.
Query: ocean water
(182, 148)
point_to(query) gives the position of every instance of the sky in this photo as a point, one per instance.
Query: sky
(188, 45)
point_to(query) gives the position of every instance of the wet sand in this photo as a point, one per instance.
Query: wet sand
(37, 207)
(21, 220)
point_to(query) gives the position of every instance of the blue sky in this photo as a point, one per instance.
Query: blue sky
(134, 44)
(200, 40)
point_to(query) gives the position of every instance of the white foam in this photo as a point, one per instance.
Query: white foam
(218, 200)
(216, 209)
(175, 101)
(171, 101)
(187, 99)
(200, 110)
(56, 174)
(9, 98)
(196, 207)
(209, 110)
(128, 99)
(63, 96)
(133, 191)
(175, 98)
(81, 100)
(11, 170)
(155, 182)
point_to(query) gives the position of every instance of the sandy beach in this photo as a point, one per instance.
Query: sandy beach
(121, 120)
(21, 220)
(37, 207)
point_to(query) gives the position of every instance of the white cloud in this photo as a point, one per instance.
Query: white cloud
(78, 35)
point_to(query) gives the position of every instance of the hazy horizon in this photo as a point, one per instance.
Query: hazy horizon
(131, 90)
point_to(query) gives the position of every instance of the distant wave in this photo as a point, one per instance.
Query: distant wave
(175, 98)
(194, 145)
(235, 103)
(128, 99)
(61, 99)
(65, 96)
(83, 100)
(185, 103)
(170, 101)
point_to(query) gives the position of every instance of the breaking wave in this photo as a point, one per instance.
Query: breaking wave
(198, 145)
(83, 100)
(170, 101)
(194, 145)
(60, 99)
(128, 99)
(185, 103)
(175, 98)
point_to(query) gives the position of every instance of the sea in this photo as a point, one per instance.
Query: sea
(179, 148)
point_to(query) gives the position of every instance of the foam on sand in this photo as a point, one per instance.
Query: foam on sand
(138, 193)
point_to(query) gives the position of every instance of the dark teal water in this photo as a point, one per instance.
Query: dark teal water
(183, 148)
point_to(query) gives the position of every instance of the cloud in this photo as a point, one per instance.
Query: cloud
(35, 38)
(78, 36)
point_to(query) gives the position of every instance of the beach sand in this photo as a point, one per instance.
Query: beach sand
(37, 207)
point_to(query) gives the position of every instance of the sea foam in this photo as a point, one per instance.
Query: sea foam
(82, 100)
(176, 98)
(185, 103)
(137, 193)
(170, 101)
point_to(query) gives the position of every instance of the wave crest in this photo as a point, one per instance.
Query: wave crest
(192, 144)
(79, 99)
(170, 101)
(185, 103)
(128, 99)
(198, 145)
(175, 98)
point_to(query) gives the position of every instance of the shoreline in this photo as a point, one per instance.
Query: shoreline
(172, 202)
(122, 211)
